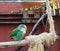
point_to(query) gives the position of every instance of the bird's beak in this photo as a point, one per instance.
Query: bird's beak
(25, 27)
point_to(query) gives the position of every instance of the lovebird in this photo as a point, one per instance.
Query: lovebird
(19, 32)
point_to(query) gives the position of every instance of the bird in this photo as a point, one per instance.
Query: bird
(19, 32)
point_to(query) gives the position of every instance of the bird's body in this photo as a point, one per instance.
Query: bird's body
(19, 32)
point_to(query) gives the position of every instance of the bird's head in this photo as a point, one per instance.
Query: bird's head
(22, 28)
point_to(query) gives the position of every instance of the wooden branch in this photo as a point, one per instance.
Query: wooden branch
(13, 43)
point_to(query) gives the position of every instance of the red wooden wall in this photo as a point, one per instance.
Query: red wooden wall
(16, 6)
(5, 29)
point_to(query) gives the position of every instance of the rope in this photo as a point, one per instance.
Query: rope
(37, 42)
(50, 18)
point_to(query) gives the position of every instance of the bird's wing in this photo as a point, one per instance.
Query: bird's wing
(19, 36)
(14, 32)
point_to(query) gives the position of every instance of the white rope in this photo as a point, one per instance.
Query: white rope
(37, 42)
(50, 18)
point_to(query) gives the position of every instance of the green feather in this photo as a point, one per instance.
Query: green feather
(17, 33)
(19, 36)
(14, 32)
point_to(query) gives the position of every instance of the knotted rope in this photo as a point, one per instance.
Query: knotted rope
(37, 42)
